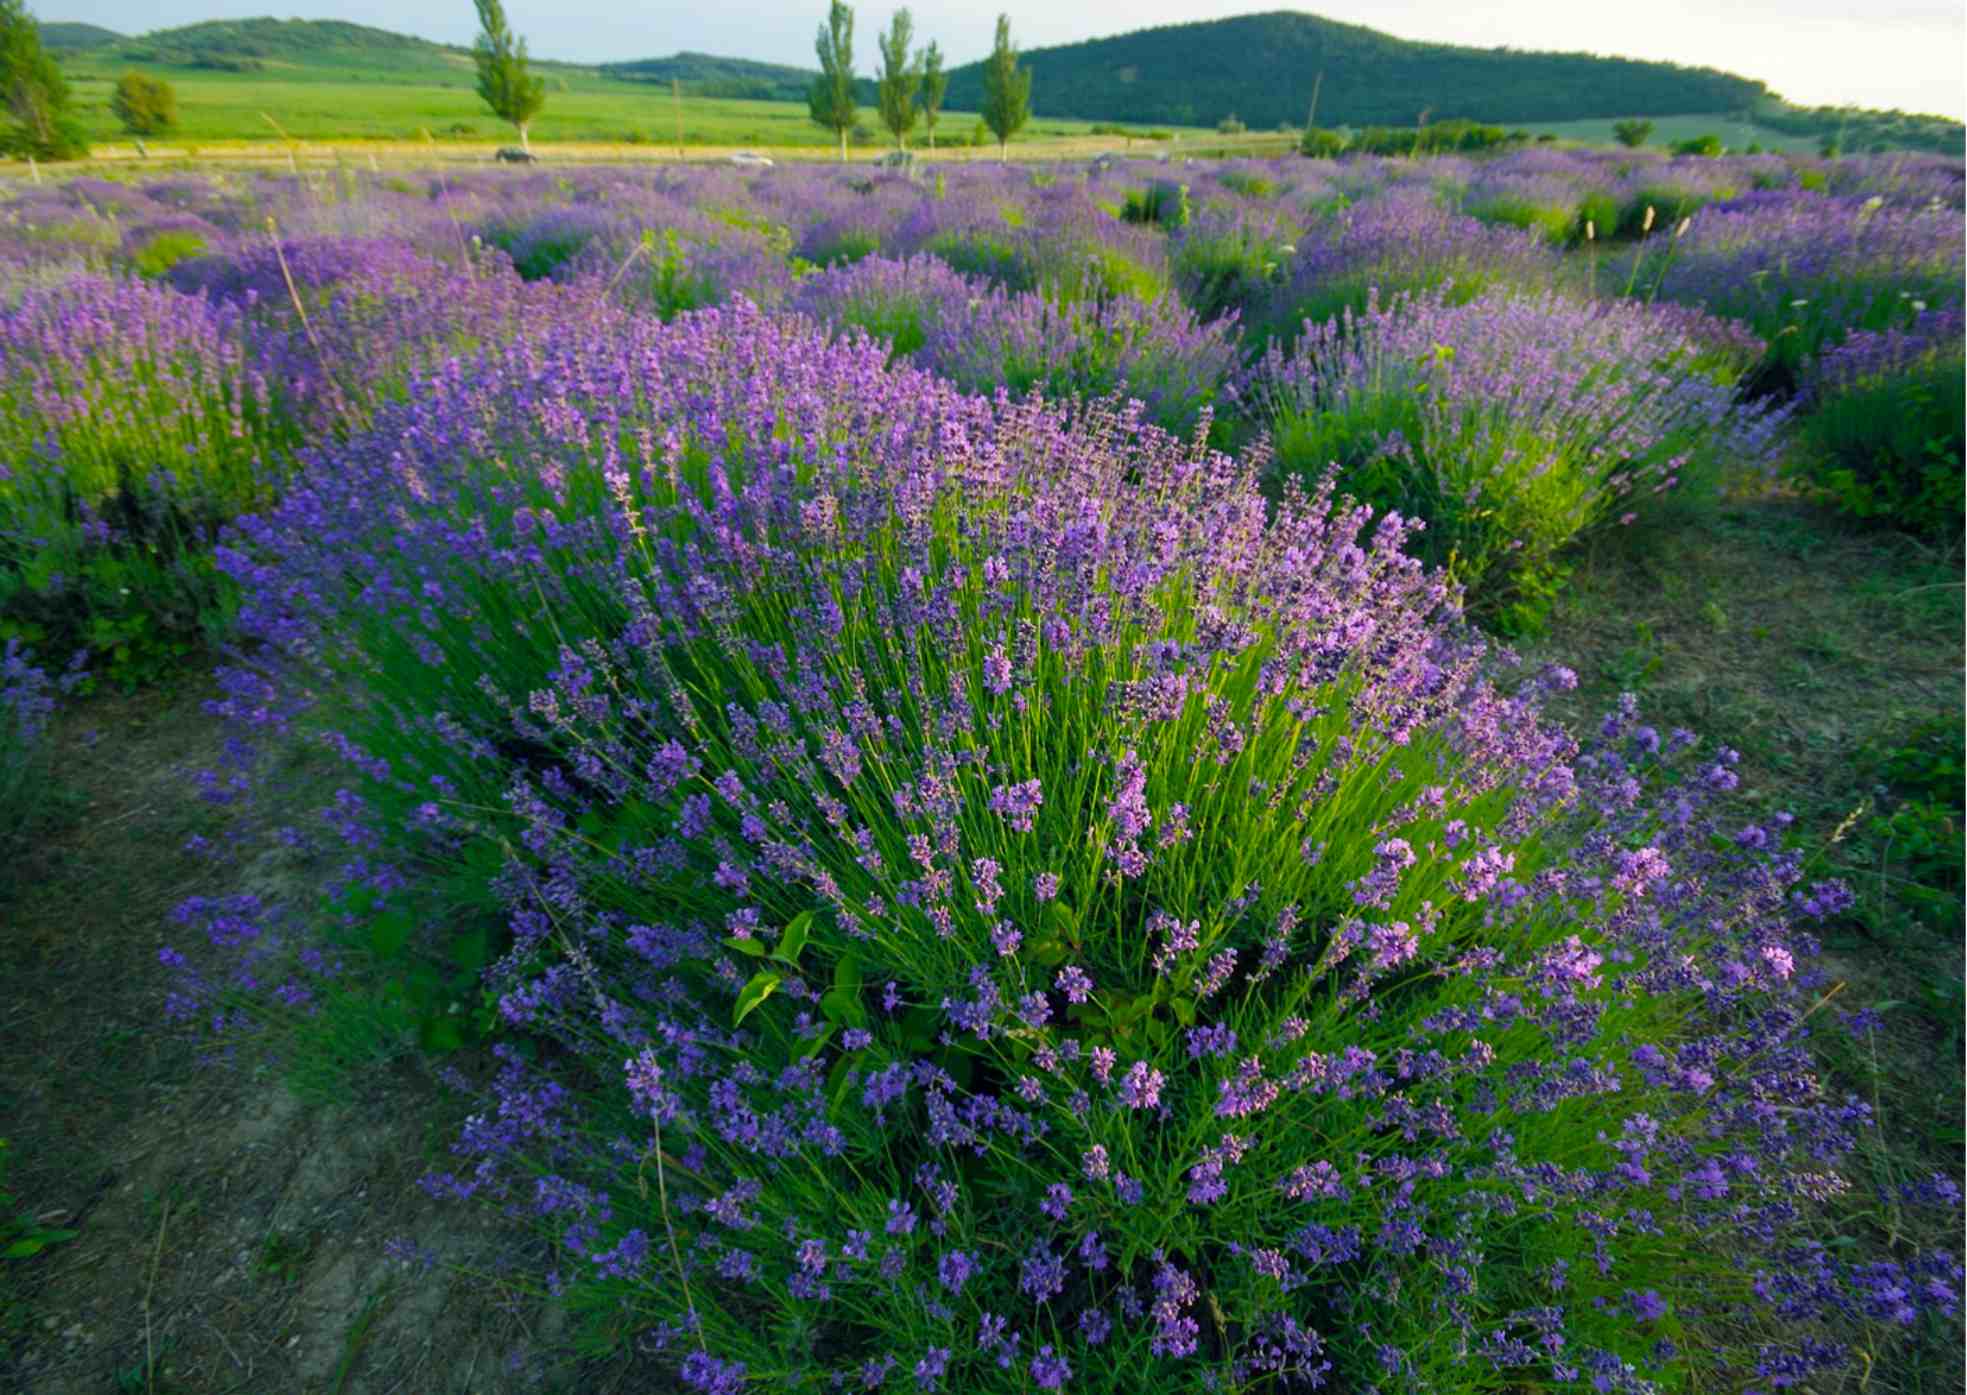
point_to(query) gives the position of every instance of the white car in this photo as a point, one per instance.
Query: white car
(751, 160)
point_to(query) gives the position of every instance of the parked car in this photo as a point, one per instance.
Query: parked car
(751, 160)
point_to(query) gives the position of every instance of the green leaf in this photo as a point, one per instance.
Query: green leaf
(794, 938)
(388, 933)
(1049, 952)
(841, 1006)
(763, 984)
(820, 1041)
(847, 974)
(472, 951)
(445, 1033)
(1185, 1011)
(745, 944)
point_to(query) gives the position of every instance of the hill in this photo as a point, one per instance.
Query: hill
(73, 36)
(254, 45)
(1262, 68)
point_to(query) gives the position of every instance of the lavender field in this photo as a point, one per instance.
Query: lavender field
(1264, 776)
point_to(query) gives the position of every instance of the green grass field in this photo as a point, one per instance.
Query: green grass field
(1736, 133)
(354, 104)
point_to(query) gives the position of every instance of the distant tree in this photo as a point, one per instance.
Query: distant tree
(1231, 125)
(504, 79)
(1829, 149)
(36, 120)
(1007, 90)
(1631, 134)
(146, 106)
(901, 75)
(831, 97)
(1708, 146)
(935, 82)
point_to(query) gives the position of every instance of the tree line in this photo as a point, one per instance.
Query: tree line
(911, 85)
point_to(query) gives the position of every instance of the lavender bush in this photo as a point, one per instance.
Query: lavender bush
(1512, 424)
(989, 903)
(29, 698)
(1804, 269)
(981, 338)
(133, 422)
(1887, 427)
(1402, 241)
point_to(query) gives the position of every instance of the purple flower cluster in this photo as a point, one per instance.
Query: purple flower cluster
(900, 804)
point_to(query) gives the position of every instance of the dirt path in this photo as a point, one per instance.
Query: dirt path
(231, 1239)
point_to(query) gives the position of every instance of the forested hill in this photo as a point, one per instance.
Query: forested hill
(1262, 68)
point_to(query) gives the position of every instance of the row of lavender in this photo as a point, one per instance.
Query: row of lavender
(971, 893)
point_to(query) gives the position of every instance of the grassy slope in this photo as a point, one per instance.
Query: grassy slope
(1734, 132)
(324, 105)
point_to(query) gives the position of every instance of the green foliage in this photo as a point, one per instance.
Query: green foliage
(935, 84)
(505, 81)
(1230, 126)
(1263, 66)
(1708, 147)
(1631, 133)
(36, 120)
(147, 106)
(22, 1236)
(1555, 223)
(901, 77)
(1862, 129)
(1439, 138)
(1006, 88)
(1248, 183)
(830, 99)
(1889, 448)
(1321, 144)
(156, 257)
(672, 287)
(1163, 203)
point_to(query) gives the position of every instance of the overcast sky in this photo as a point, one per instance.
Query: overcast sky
(1902, 53)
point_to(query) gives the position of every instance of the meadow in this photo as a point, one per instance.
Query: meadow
(353, 105)
(1230, 775)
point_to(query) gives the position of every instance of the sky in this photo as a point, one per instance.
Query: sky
(1910, 54)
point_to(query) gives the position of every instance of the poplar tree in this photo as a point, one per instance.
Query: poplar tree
(831, 98)
(901, 75)
(935, 82)
(505, 80)
(1007, 90)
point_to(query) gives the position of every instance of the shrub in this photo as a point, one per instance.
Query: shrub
(1250, 183)
(897, 302)
(1227, 261)
(155, 254)
(134, 421)
(1803, 270)
(1631, 134)
(1707, 147)
(1886, 436)
(146, 106)
(1230, 126)
(1163, 203)
(1401, 240)
(1510, 425)
(1321, 144)
(993, 903)
(29, 697)
(1157, 352)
